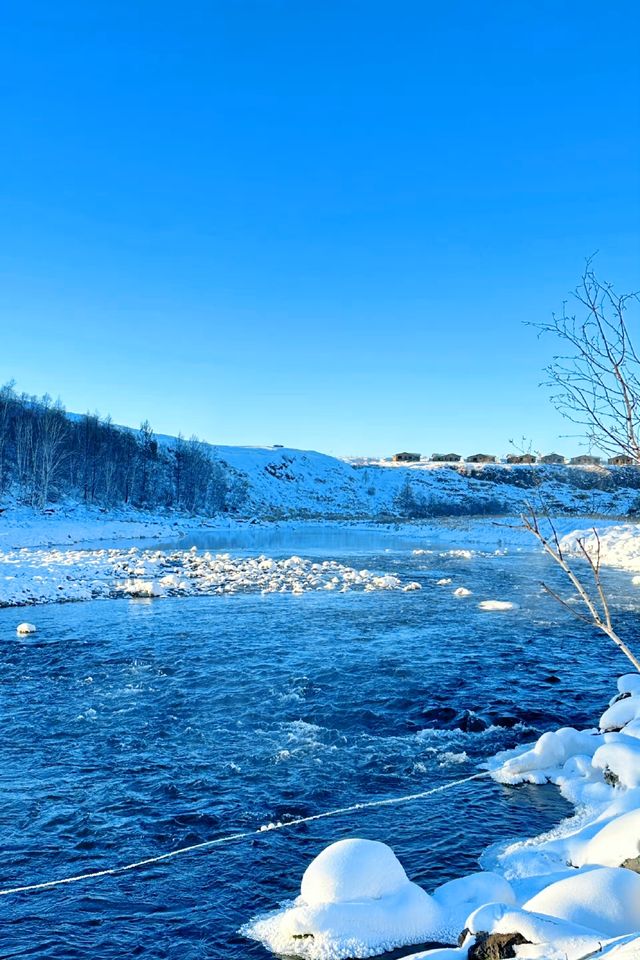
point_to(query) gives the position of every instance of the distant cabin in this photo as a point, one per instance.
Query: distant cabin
(446, 457)
(620, 460)
(406, 458)
(552, 458)
(521, 458)
(585, 460)
(480, 458)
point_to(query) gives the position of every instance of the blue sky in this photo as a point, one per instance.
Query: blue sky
(322, 224)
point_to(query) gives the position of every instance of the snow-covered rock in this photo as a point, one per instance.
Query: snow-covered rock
(50, 575)
(458, 898)
(356, 901)
(620, 758)
(615, 842)
(605, 899)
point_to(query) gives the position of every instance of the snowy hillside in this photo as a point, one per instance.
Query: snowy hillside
(280, 482)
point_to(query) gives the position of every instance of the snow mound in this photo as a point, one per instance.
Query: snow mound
(617, 841)
(545, 760)
(620, 713)
(356, 901)
(352, 870)
(458, 898)
(620, 758)
(606, 899)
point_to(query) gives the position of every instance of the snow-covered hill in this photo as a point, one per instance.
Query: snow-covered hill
(279, 482)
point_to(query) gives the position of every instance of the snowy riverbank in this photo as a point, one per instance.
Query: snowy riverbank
(568, 895)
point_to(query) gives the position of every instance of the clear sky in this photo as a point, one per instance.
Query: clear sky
(321, 223)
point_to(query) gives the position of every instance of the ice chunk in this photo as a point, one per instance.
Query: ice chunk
(496, 605)
(24, 628)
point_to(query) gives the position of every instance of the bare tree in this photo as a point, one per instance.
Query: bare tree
(593, 605)
(596, 381)
(596, 376)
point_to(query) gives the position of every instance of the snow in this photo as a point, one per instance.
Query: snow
(617, 545)
(496, 605)
(617, 841)
(24, 628)
(606, 900)
(461, 592)
(355, 901)
(47, 575)
(620, 757)
(461, 897)
(352, 870)
(568, 893)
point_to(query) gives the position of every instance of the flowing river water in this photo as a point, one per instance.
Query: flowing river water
(130, 728)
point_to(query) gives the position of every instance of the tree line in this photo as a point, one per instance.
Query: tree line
(47, 454)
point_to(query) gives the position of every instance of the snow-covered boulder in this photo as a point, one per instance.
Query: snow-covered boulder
(604, 899)
(352, 870)
(550, 938)
(619, 760)
(546, 758)
(24, 628)
(615, 843)
(620, 713)
(458, 898)
(629, 683)
(356, 901)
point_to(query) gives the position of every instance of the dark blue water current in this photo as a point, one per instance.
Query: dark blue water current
(131, 728)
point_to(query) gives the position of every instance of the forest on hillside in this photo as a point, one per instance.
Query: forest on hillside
(47, 454)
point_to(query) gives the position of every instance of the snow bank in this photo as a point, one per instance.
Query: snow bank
(618, 545)
(44, 575)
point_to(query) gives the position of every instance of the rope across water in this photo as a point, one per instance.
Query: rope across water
(245, 835)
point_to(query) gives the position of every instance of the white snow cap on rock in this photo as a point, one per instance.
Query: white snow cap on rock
(606, 899)
(458, 898)
(356, 901)
(24, 628)
(617, 841)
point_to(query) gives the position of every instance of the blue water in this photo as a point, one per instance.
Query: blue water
(131, 728)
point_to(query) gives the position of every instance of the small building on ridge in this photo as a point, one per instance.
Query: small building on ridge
(480, 458)
(521, 458)
(406, 458)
